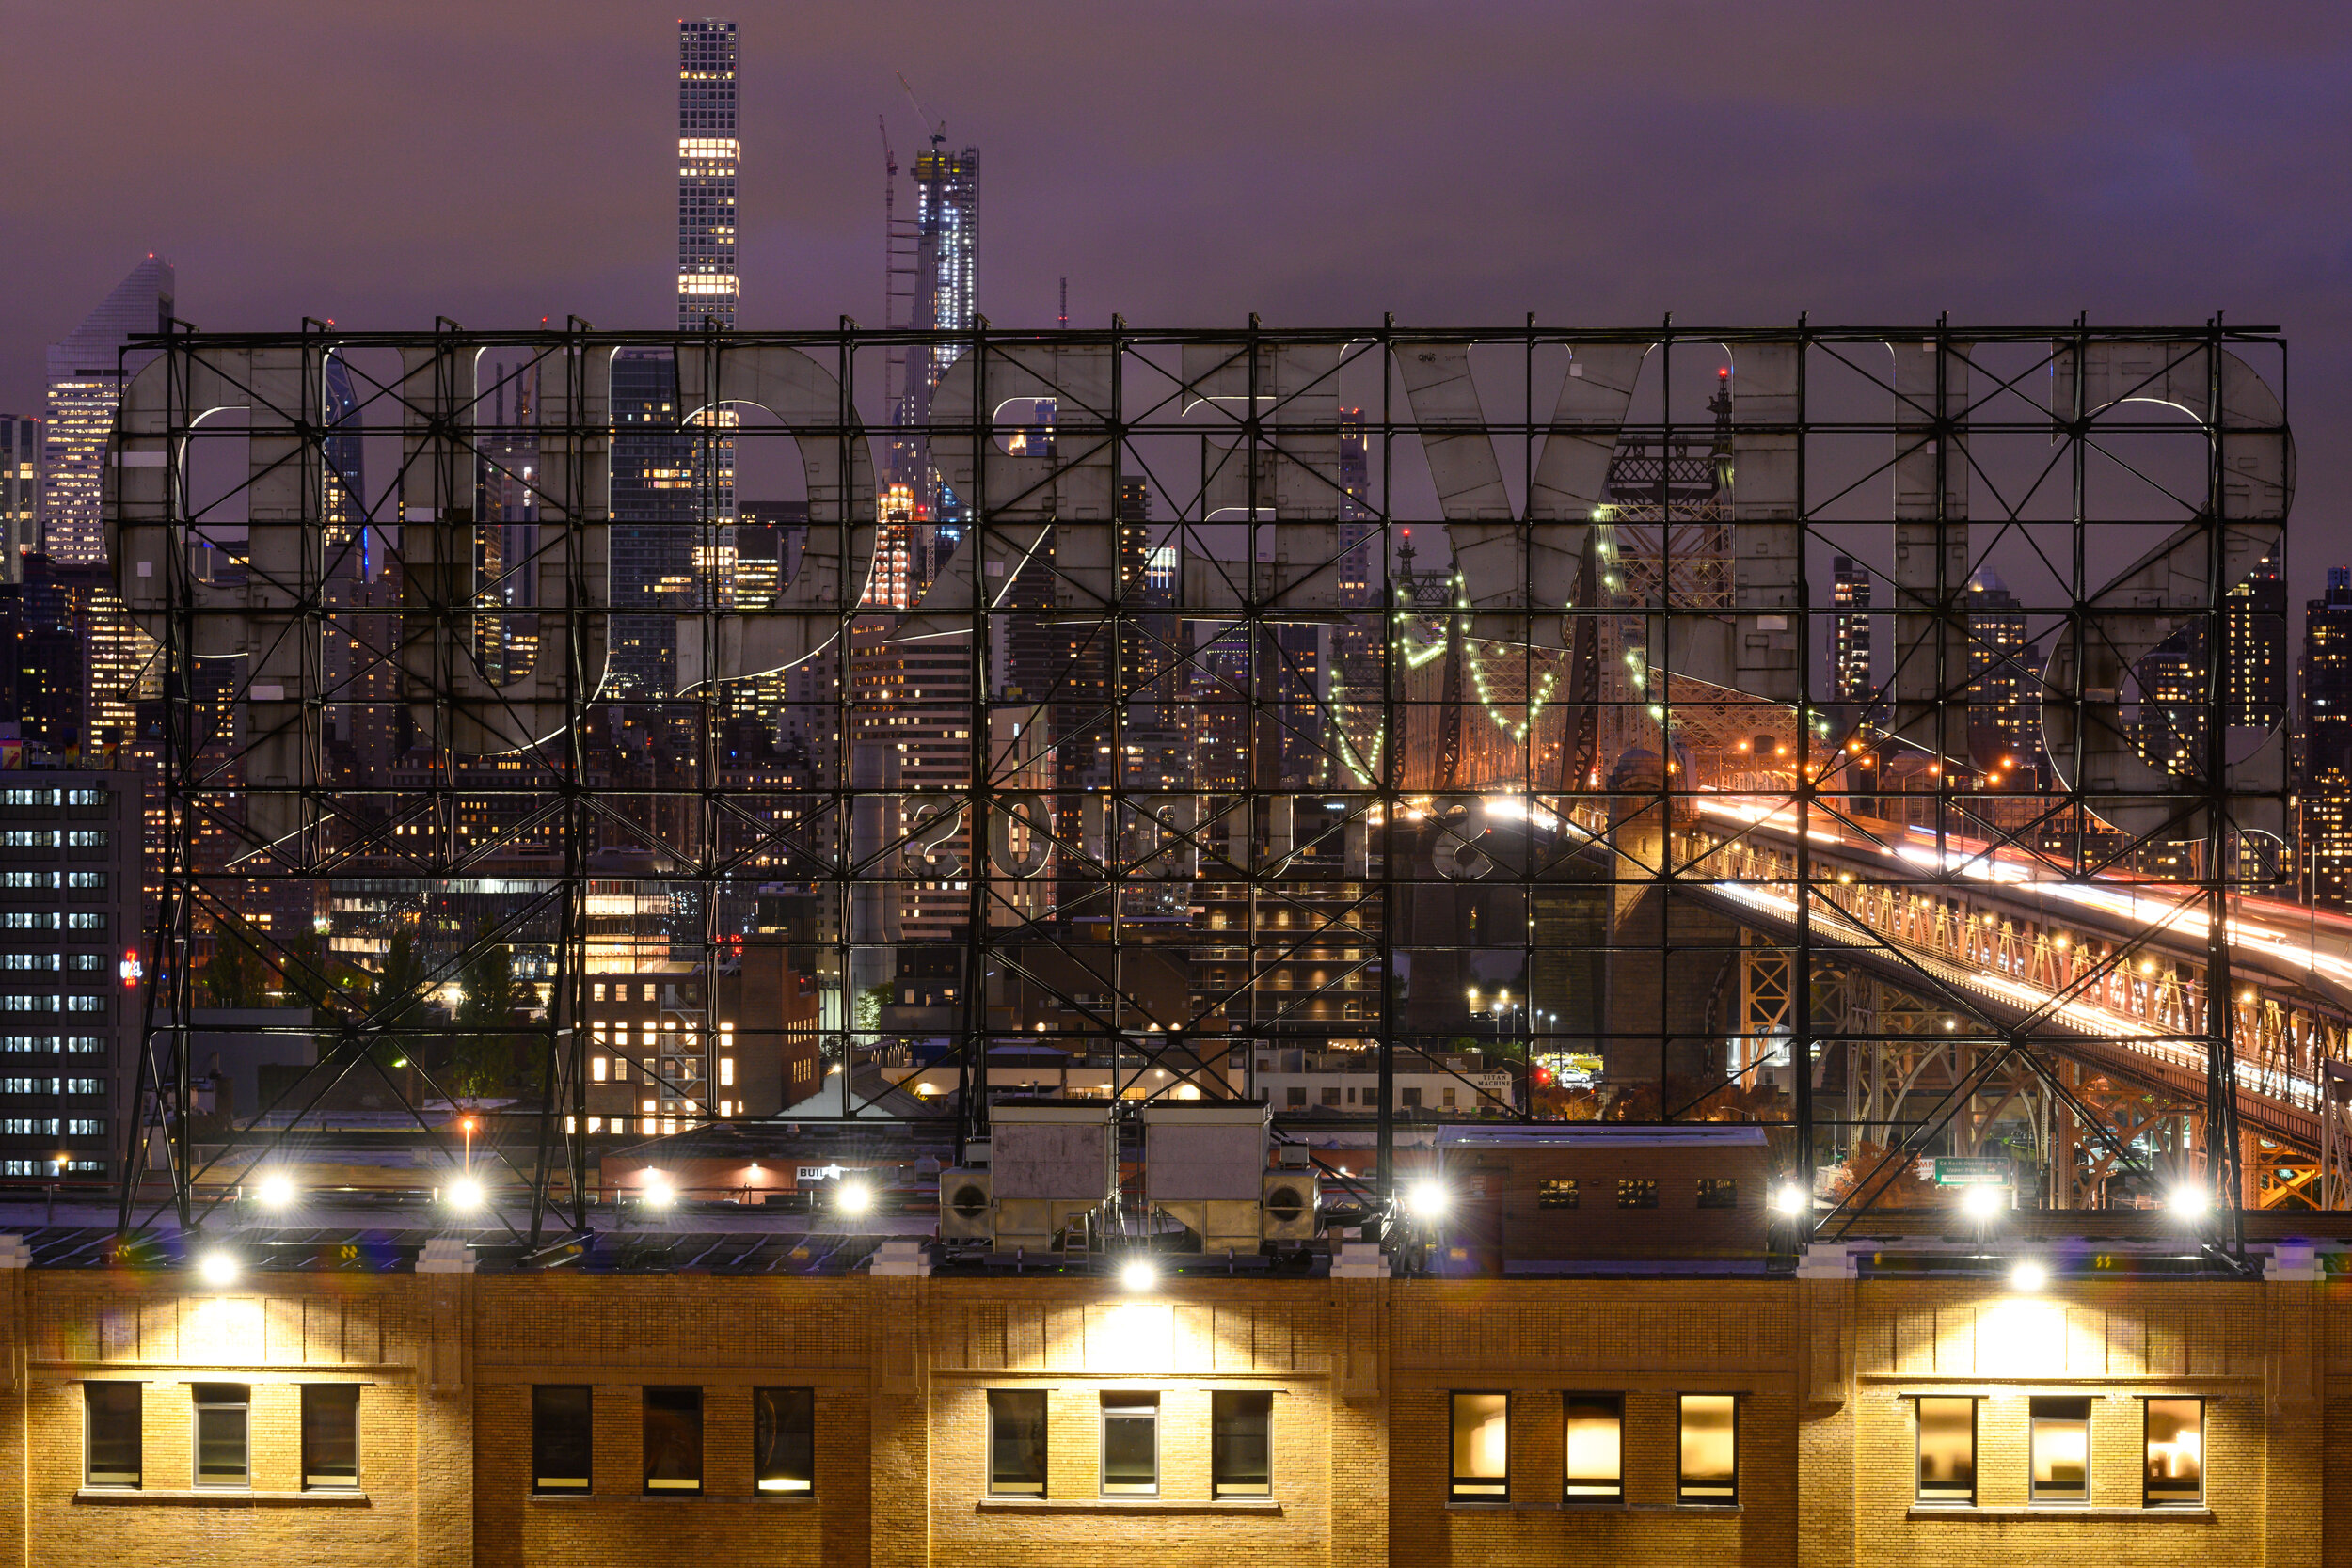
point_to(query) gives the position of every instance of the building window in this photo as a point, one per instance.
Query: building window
(1593, 1449)
(330, 1435)
(562, 1449)
(1947, 1449)
(1016, 1442)
(1719, 1192)
(1410, 1099)
(1297, 1095)
(1637, 1192)
(674, 1440)
(2061, 1449)
(1330, 1096)
(784, 1440)
(1557, 1195)
(223, 1430)
(1241, 1446)
(2176, 1452)
(1130, 1444)
(1710, 1448)
(111, 1416)
(1481, 1449)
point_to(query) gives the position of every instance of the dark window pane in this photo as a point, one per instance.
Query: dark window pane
(1241, 1458)
(1594, 1449)
(1719, 1192)
(1131, 1443)
(330, 1435)
(674, 1439)
(1016, 1441)
(221, 1423)
(560, 1450)
(1637, 1192)
(112, 1410)
(784, 1440)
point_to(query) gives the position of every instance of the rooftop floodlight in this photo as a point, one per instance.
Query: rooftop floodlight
(276, 1191)
(1980, 1202)
(465, 1194)
(1789, 1198)
(2027, 1275)
(217, 1269)
(855, 1197)
(1138, 1274)
(2190, 1200)
(1426, 1199)
(656, 1191)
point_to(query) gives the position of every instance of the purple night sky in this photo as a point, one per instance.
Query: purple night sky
(1186, 164)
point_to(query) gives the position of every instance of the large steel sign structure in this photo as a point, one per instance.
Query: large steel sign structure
(1398, 724)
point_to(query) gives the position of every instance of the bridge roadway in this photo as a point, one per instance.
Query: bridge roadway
(2031, 950)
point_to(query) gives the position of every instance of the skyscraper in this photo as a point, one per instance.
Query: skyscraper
(707, 157)
(708, 286)
(2254, 630)
(946, 215)
(1849, 633)
(85, 367)
(2326, 794)
(20, 493)
(2004, 668)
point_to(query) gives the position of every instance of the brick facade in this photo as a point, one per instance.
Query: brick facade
(1358, 1371)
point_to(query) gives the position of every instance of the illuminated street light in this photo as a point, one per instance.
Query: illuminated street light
(276, 1191)
(1138, 1274)
(465, 1193)
(855, 1197)
(217, 1269)
(2188, 1200)
(1789, 1198)
(2027, 1275)
(1981, 1203)
(657, 1192)
(1426, 1199)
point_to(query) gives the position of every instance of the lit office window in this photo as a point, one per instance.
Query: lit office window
(2176, 1452)
(1710, 1448)
(1016, 1442)
(674, 1439)
(1130, 1444)
(1947, 1449)
(1594, 1449)
(223, 1434)
(1481, 1447)
(1719, 1192)
(1241, 1448)
(1560, 1194)
(562, 1450)
(331, 1435)
(2061, 1449)
(784, 1440)
(111, 1453)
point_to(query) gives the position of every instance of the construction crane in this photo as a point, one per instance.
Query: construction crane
(938, 132)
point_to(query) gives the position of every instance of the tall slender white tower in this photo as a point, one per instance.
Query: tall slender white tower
(708, 286)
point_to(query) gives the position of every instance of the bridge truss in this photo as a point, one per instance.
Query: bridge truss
(1320, 715)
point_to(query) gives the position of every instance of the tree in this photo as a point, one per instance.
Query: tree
(871, 1002)
(234, 975)
(397, 996)
(487, 1044)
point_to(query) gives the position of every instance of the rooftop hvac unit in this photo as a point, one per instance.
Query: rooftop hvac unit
(1289, 1205)
(1204, 1164)
(1053, 1163)
(967, 1209)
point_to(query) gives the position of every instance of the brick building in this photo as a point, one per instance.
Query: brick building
(1858, 1414)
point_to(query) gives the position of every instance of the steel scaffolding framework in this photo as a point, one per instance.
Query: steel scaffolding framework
(1294, 703)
